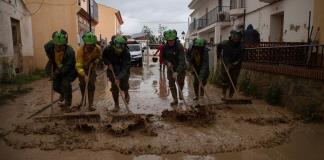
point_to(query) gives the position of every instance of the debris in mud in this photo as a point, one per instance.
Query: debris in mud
(200, 114)
(121, 125)
(272, 120)
(85, 127)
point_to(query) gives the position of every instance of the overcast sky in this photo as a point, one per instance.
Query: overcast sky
(137, 13)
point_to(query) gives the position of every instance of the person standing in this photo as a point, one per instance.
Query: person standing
(61, 67)
(88, 57)
(230, 53)
(174, 58)
(199, 60)
(117, 58)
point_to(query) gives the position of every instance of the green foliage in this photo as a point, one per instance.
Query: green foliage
(309, 113)
(248, 88)
(23, 78)
(12, 94)
(149, 34)
(273, 95)
(214, 78)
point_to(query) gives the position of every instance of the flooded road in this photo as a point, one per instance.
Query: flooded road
(256, 131)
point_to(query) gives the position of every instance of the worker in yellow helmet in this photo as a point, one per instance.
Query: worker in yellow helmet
(88, 56)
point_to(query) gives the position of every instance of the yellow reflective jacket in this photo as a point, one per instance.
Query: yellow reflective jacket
(84, 59)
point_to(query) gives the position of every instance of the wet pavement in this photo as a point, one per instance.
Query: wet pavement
(256, 131)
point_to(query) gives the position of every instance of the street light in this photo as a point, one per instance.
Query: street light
(183, 34)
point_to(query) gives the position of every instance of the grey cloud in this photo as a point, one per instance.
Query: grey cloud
(137, 13)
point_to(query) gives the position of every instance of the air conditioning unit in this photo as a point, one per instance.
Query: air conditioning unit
(221, 16)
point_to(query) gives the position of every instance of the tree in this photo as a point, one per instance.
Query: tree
(149, 34)
(161, 30)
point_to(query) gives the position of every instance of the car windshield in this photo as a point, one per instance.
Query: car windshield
(133, 48)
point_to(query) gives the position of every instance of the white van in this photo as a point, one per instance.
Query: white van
(136, 53)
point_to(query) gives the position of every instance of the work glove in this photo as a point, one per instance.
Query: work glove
(97, 61)
(174, 75)
(230, 66)
(117, 82)
(56, 74)
(81, 72)
(169, 64)
(110, 67)
(200, 83)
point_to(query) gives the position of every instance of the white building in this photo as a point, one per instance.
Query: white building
(276, 20)
(16, 42)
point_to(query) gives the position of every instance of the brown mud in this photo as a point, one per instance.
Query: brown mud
(154, 129)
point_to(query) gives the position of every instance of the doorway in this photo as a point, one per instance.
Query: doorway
(276, 27)
(17, 46)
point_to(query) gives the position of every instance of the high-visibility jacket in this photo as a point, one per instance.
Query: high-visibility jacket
(85, 59)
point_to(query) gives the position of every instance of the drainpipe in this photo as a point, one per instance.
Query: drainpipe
(244, 18)
(309, 27)
(89, 5)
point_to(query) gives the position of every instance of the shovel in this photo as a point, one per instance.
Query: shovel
(123, 98)
(234, 100)
(201, 86)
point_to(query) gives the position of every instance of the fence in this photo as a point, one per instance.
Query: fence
(310, 56)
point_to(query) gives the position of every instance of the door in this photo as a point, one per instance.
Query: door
(17, 46)
(276, 27)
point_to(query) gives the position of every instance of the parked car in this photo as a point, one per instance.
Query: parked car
(136, 53)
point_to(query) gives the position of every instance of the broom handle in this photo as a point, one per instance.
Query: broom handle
(85, 95)
(200, 85)
(180, 91)
(112, 70)
(229, 76)
(52, 88)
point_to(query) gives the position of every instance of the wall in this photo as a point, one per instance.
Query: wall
(295, 26)
(52, 16)
(296, 92)
(19, 12)
(319, 19)
(201, 10)
(108, 23)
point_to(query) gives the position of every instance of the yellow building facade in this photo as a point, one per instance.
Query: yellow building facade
(319, 19)
(110, 21)
(49, 16)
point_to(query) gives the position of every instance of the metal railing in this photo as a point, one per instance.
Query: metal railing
(192, 26)
(235, 4)
(218, 14)
(309, 56)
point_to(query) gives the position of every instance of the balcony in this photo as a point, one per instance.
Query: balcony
(268, 1)
(237, 7)
(217, 15)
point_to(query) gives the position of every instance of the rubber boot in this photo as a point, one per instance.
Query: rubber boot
(175, 97)
(224, 90)
(127, 97)
(231, 93)
(90, 98)
(61, 100)
(116, 100)
(68, 103)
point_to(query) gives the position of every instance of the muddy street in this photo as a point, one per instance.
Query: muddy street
(254, 131)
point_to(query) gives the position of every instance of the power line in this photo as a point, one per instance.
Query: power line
(40, 6)
(141, 20)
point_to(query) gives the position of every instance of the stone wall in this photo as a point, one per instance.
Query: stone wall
(296, 92)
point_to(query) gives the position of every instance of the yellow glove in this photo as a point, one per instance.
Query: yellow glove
(97, 61)
(81, 72)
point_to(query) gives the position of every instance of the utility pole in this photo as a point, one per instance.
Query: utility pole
(90, 17)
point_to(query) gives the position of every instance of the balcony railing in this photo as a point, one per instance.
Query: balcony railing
(309, 56)
(235, 4)
(218, 14)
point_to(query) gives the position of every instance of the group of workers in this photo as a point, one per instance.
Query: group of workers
(64, 66)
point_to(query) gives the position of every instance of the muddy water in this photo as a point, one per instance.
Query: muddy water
(256, 131)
